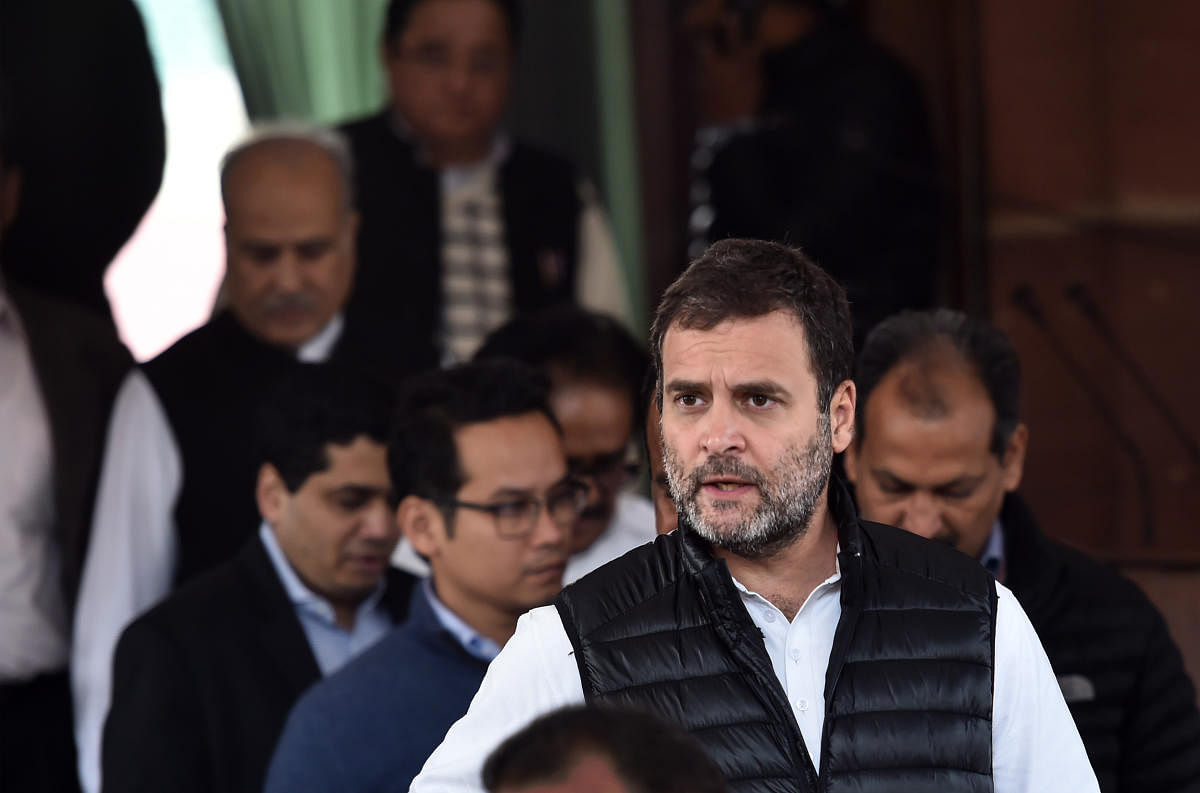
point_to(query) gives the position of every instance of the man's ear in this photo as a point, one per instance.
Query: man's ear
(422, 524)
(841, 415)
(271, 494)
(1013, 463)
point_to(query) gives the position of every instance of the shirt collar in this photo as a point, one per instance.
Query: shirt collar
(833, 579)
(298, 593)
(457, 176)
(993, 553)
(472, 641)
(318, 348)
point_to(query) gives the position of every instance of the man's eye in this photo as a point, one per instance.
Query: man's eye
(351, 500)
(687, 400)
(761, 401)
(433, 55)
(955, 493)
(313, 250)
(512, 509)
(262, 254)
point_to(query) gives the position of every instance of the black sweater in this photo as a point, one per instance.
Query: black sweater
(1122, 676)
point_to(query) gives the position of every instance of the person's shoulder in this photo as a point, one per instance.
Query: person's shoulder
(188, 621)
(636, 563)
(638, 575)
(200, 339)
(634, 508)
(71, 324)
(632, 523)
(364, 127)
(527, 156)
(366, 684)
(209, 600)
(1086, 580)
(917, 556)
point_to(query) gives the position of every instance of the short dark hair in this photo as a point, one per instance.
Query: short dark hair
(915, 335)
(312, 407)
(648, 754)
(422, 456)
(574, 342)
(743, 279)
(399, 12)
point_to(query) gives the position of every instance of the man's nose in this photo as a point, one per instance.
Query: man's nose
(721, 431)
(547, 532)
(922, 516)
(458, 76)
(379, 522)
(289, 275)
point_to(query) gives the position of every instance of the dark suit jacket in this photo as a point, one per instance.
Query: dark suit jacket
(203, 682)
(79, 363)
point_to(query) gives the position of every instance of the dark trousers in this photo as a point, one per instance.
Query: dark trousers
(37, 740)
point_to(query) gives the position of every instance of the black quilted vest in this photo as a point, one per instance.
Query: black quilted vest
(394, 314)
(209, 384)
(908, 689)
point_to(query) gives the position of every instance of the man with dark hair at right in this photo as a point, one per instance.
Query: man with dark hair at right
(939, 450)
(806, 649)
(601, 750)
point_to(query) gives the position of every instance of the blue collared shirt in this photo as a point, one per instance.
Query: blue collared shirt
(472, 641)
(332, 644)
(993, 553)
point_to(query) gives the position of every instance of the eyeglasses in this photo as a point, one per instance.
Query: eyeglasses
(516, 518)
(609, 471)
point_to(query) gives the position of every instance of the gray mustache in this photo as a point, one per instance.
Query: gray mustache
(724, 466)
(291, 301)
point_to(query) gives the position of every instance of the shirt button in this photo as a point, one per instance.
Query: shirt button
(802, 705)
(795, 655)
(769, 616)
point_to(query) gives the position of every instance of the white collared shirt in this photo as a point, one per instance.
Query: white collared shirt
(33, 615)
(472, 641)
(134, 546)
(1035, 745)
(332, 645)
(799, 650)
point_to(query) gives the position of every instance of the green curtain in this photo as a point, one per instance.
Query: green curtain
(619, 150)
(306, 59)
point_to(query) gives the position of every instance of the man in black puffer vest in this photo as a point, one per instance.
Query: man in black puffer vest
(463, 225)
(176, 488)
(939, 451)
(806, 649)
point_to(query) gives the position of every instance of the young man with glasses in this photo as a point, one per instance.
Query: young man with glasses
(484, 494)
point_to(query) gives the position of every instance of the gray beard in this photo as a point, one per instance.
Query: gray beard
(788, 496)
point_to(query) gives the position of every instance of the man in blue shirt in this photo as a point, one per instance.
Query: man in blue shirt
(203, 682)
(477, 461)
